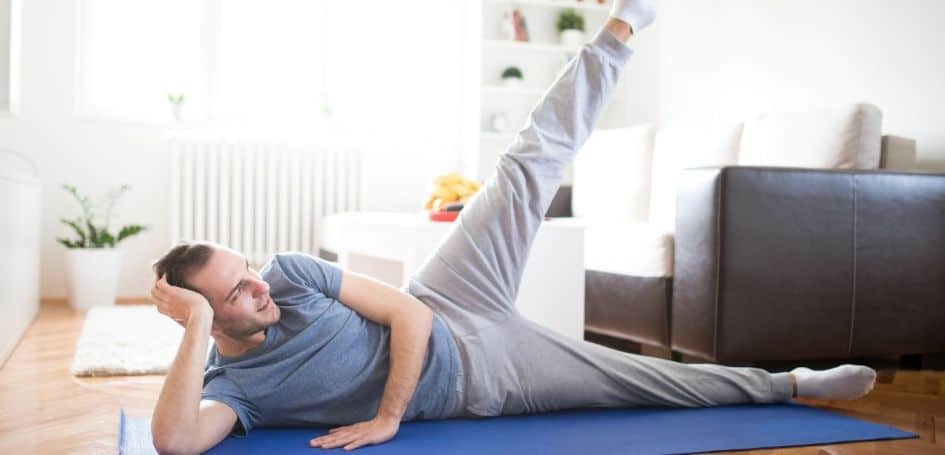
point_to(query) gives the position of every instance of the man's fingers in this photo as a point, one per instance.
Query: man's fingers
(321, 439)
(158, 294)
(354, 445)
(156, 299)
(333, 440)
(359, 442)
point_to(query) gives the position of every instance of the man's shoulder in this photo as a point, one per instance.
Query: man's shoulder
(303, 270)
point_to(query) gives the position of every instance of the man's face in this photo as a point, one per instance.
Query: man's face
(238, 295)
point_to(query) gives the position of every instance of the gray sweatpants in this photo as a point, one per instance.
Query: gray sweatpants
(510, 365)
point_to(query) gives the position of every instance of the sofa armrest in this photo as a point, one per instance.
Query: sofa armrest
(561, 204)
(787, 264)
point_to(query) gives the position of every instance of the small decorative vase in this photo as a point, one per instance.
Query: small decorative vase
(572, 38)
(92, 276)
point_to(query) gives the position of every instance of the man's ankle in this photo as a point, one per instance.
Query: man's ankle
(620, 29)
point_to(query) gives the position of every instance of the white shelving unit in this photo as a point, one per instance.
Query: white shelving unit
(488, 53)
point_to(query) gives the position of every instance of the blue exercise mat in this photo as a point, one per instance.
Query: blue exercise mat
(599, 431)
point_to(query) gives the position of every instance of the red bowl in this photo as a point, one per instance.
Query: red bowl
(442, 215)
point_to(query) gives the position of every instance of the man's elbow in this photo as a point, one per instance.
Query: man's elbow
(168, 447)
(418, 314)
(168, 444)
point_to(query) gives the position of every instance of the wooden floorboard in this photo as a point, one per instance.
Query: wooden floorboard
(44, 409)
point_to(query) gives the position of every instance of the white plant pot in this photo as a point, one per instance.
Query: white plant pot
(572, 38)
(512, 82)
(92, 276)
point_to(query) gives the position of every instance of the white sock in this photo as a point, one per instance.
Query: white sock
(845, 382)
(637, 13)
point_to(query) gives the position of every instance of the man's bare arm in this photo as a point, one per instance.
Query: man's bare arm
(410, 322)
(409, 336)
(181, 423)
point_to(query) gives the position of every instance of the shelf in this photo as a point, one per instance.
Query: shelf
(589, 5)
(510, 90)
(528, 45)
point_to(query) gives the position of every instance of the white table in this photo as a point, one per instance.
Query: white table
(392, 246)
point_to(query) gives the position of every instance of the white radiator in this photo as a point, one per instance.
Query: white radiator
(260, 198)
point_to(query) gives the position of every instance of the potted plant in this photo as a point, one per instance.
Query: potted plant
(571, 28)
(177, 105)
(512, 76)
(93, 264)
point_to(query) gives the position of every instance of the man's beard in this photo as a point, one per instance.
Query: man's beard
(247, 328)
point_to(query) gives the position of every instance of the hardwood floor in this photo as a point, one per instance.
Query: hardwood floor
(44, 409)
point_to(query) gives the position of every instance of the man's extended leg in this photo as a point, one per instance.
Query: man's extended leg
(479, 264)
(530, 368)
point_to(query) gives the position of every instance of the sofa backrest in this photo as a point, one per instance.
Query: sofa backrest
(676, 149)
(632, 173)
(841, 137)
(612, 174)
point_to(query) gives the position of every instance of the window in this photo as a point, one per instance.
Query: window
(375, 64)
(134, 52)
(270, 59)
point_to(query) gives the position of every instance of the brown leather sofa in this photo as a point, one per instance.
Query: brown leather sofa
(785, 264)
(792, 264)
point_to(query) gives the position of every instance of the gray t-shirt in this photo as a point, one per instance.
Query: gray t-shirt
(322, 363)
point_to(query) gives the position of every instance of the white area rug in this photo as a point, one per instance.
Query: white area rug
(126, 340)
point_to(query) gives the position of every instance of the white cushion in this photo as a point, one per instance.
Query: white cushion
(612, 174)
(626, 248)
(677, 149)
(844, 137)
(898, 153)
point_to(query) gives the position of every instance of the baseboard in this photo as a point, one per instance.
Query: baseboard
(118, 301)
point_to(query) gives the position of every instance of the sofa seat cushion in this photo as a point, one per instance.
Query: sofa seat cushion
(627, 248)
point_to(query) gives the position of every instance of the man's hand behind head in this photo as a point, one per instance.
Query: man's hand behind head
(178, 303)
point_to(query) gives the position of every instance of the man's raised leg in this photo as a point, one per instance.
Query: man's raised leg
(479, 264)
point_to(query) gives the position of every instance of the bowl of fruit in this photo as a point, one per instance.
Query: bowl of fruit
(449, 193)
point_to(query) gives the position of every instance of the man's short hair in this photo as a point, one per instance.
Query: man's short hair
(183, 261)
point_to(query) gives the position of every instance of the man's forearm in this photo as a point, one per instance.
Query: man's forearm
(175, 415)
(409, 336)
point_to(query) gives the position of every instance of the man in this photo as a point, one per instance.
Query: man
(303, 342)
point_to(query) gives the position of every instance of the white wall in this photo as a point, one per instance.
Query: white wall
(728, 59)
(96, 154)
(88, 153)
(721, 59)
(5, 42)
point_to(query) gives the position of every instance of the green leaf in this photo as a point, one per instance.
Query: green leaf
(84, 202)
(129, 230)
(107, 239)
(94, 236)
(75, 226)
(68, 243)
